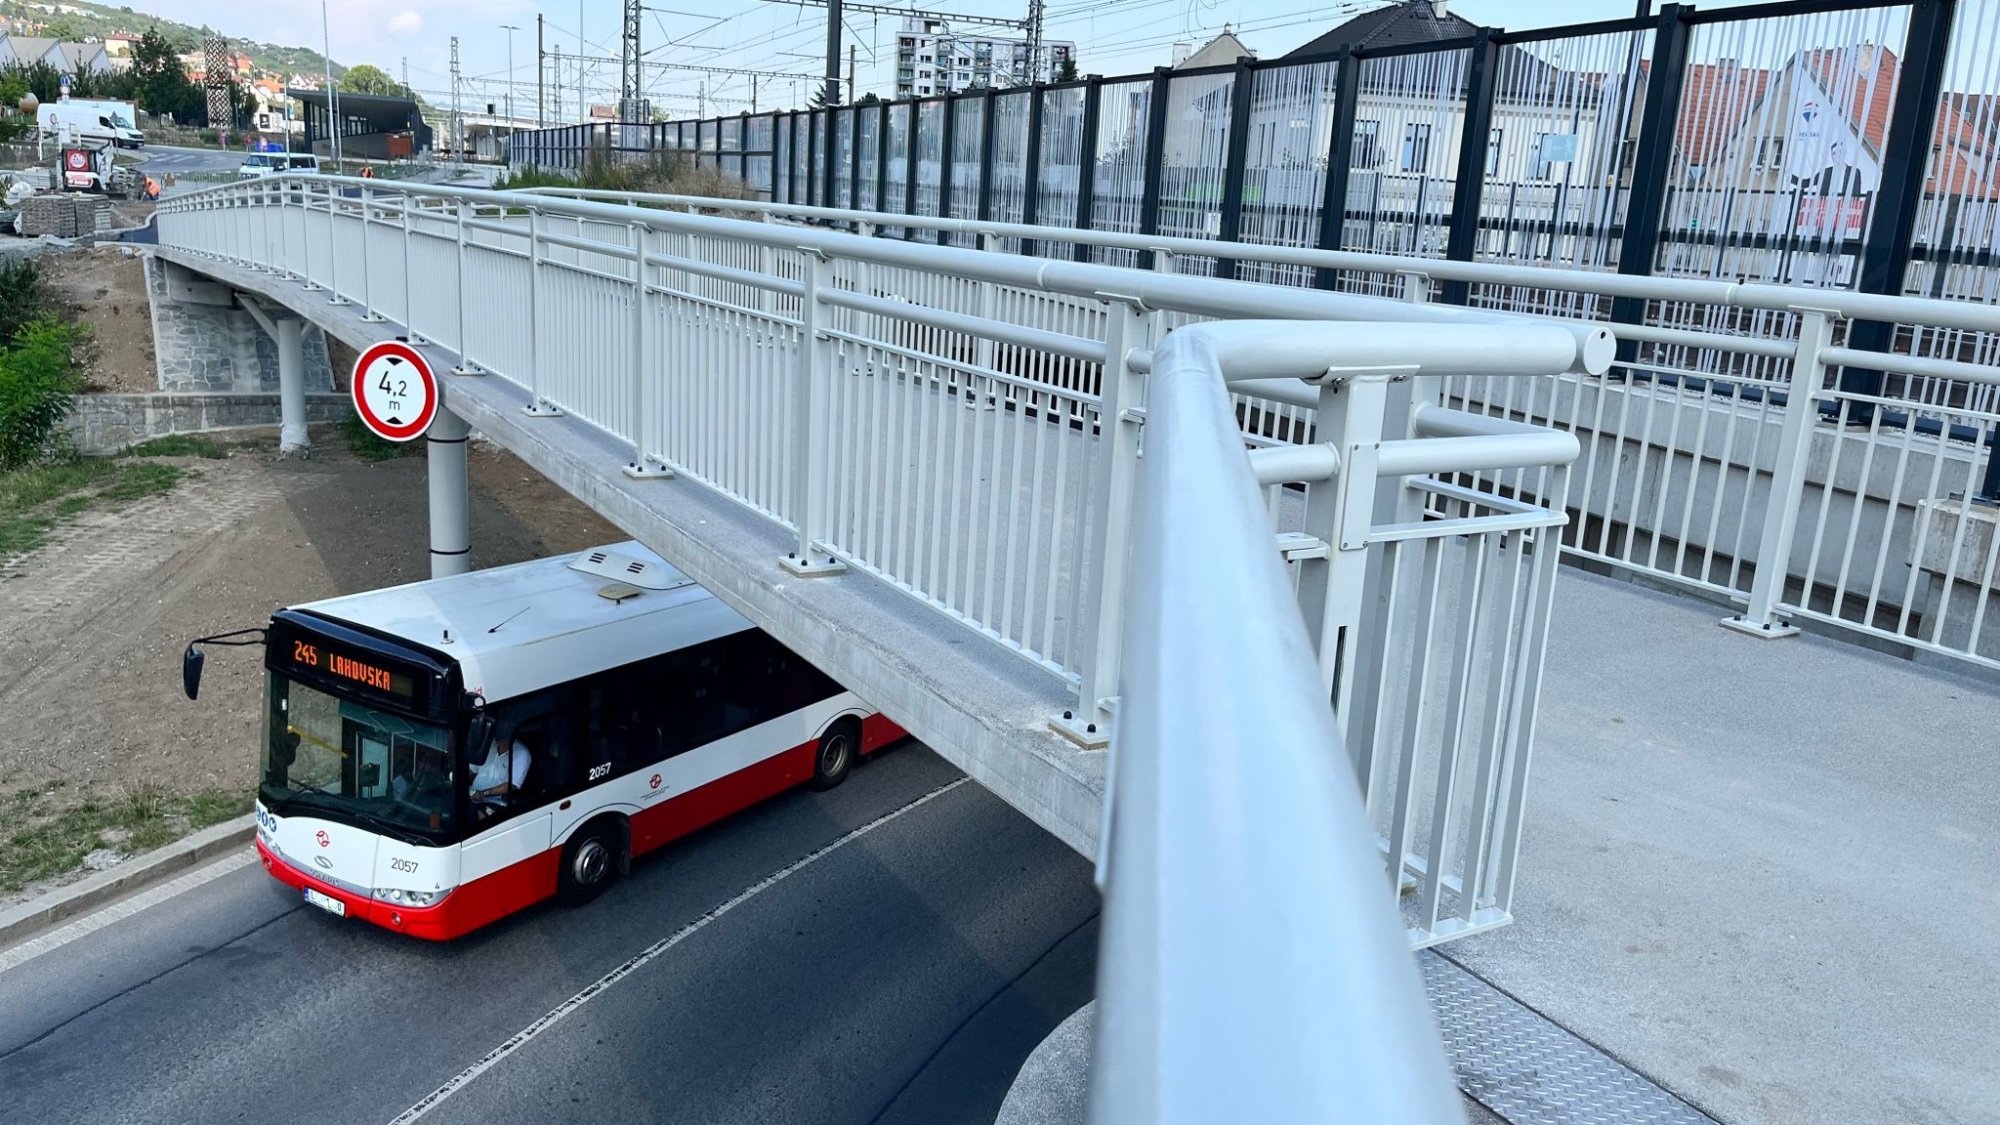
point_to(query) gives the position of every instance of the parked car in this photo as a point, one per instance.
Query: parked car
(257, 164)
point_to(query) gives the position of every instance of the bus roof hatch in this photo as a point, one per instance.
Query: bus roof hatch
(645, 574)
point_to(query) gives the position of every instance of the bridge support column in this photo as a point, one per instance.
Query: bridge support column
(292, 436)
(448, 479)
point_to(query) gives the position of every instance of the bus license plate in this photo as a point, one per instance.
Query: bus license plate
(326, 902)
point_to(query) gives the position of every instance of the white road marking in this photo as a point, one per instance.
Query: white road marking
(561, 1011)
(97, 920)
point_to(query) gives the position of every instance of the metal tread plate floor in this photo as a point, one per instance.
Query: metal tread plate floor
(1529, 1070)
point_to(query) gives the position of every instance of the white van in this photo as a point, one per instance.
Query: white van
(94, 119)
(257, 164)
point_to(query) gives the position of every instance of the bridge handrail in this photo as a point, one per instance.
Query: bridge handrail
(1745, 295)
(1203, 296)
(1250, 968)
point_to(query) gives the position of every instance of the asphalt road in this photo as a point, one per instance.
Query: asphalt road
(900, 973)
(167, 158)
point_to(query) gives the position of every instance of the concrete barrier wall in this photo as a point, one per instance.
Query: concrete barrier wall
(104, 424)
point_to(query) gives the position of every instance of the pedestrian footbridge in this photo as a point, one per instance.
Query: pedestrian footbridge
(1242, 589)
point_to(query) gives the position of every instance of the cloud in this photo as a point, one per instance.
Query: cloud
(406, 22)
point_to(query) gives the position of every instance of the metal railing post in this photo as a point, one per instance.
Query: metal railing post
(409, 277)
(538, 407)
(986, 349)
(465, 364)
(305, 237)
(1031, 171)
(1788, 479)
(1128, 326)
(1340, 512)
(643, 466)
(948, 137)
(811, 447)
(368, 310)
(333, 246)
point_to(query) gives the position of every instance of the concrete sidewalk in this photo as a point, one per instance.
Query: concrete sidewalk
(1760, 872)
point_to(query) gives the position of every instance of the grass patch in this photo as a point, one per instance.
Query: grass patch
(181, 445)
(33, 500)
(365, 444)
(49, 837)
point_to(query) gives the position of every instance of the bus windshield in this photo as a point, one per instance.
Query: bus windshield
(388, 772)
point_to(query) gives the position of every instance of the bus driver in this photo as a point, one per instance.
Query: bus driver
(495, 777)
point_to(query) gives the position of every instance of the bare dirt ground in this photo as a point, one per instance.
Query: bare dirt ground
(92, 624)
(105, 287)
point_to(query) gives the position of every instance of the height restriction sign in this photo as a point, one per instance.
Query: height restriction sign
(394, 391)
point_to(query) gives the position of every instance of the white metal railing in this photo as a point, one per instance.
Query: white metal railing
(968, 428)
(1688, 475)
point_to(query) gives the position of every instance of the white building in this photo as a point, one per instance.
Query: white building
(931, 59)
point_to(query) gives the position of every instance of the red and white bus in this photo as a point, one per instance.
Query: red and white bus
(441, 754)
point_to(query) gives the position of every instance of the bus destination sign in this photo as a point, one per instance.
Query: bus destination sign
(318, 656)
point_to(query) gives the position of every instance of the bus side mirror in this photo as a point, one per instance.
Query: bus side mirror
(191, 671)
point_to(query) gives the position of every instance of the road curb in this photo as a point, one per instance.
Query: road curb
(20, 922)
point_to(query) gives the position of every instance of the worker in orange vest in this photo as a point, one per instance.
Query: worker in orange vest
(152, 188)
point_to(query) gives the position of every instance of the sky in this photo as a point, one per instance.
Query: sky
(786, 39)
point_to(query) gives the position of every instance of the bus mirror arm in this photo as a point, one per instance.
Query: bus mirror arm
(191, 660)
(479, 731)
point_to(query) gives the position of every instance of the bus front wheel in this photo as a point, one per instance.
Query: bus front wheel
(589, 863)
(835, 756)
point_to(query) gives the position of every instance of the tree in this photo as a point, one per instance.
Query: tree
(1067, 71)
(869, 98)
(64, 27)
(159, 83)
(366, 79)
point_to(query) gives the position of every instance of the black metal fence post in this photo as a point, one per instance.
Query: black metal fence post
(882, 162)
(1653, 164)
(1086, 162)
(986, 154)
(946, 158)
(1031, 179)
(1339, 161)
(911, 151)
(854, 156)
(1155, 157)
(1233, 164)
(1470, 195)
(832, 145)
(1885, 256)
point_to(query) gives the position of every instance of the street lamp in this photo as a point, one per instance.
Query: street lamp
(510, 29)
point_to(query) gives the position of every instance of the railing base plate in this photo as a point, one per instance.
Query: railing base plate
(1777, 630)
(1089, 734)
(468, 369)
(373, 317)
(541, 410)
(819, 566)
(642, 470)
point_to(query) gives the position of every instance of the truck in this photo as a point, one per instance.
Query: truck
(100, 118)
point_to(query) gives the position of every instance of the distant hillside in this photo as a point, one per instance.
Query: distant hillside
(79, 19)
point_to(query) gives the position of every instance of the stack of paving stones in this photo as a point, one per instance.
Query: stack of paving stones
(65, 215)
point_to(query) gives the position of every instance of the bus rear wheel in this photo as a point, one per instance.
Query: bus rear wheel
(589, 863)
(838, 749)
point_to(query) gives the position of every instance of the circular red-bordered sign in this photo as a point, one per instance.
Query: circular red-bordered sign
(394, 391)
(78, 160)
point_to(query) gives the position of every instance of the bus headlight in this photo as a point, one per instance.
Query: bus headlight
(401, 897)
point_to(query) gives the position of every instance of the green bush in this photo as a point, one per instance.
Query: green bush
(22, 297)
(38, 383)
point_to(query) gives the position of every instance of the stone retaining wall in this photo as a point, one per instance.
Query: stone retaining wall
(110, 423)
